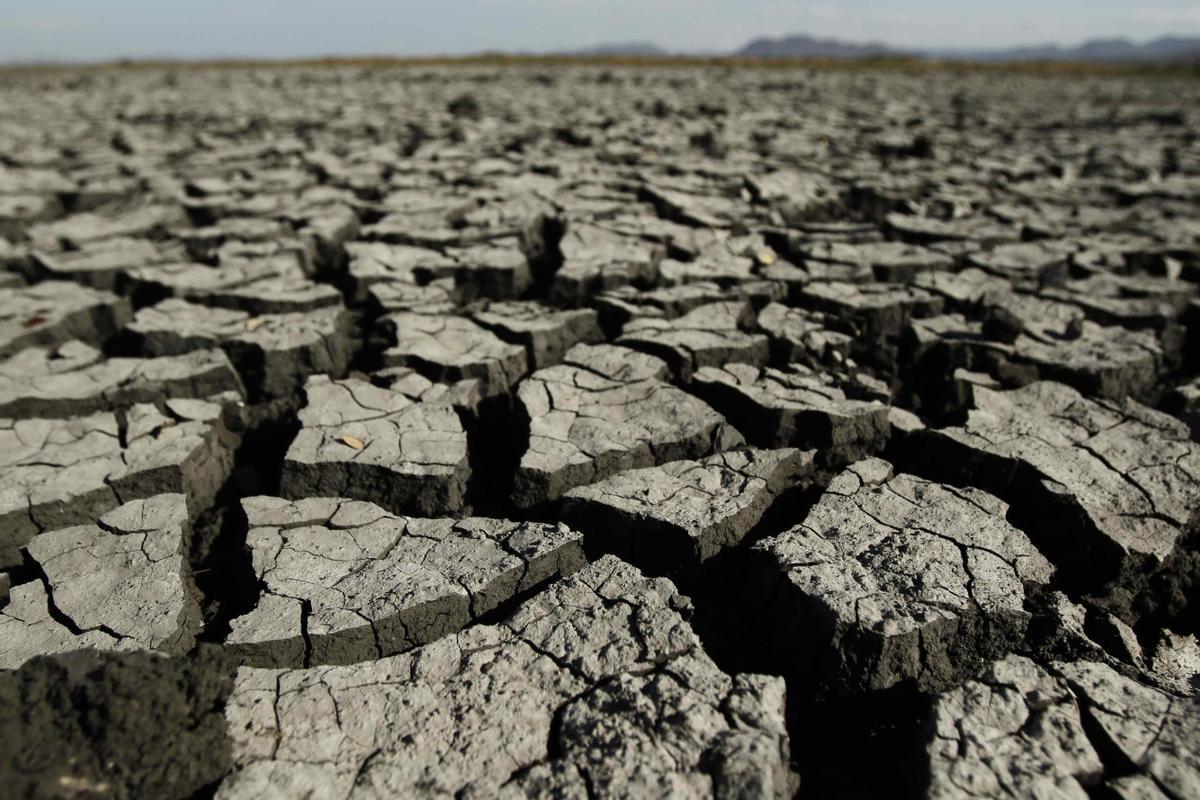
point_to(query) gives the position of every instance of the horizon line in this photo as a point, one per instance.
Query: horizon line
(924, 52)
(502, 58)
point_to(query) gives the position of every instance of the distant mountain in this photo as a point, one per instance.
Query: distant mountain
(1171, 48)
(622, 49)
(801, 46)
(1115, 50)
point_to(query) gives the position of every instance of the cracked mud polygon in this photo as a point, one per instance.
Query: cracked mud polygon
(599, 432)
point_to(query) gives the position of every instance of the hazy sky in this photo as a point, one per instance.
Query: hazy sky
(103, 29)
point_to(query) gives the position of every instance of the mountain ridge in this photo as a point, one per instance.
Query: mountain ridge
(1113, 49)
(800, 45)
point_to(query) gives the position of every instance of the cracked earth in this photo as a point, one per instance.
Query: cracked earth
(690, 432)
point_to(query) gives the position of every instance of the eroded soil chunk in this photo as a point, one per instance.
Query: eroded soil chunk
(1115, 484)
(597, 684)
(891, 578)
(121, 584)
(682, 513)
(345, 581)
(603, 410)
(358, 440)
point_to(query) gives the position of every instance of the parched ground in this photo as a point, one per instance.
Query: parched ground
(591, 431)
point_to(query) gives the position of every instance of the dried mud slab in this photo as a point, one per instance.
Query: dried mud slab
(497, 270)
(798, 335)
(716, 265)
(375, 264)
(893, 579)
(78, 231)
(619, 307)
(606, 409)
(121, 584)
(208, 244)
(887, 261)
(879, 312)
(1175, 662)
(103, 264)
(258, 286)
(466, 396)
(1115, 485)
(691, 206)
(438, 297)
(1152, 730)
(60, 472)
(597, 258)
(1183, 401)
(55, 312)
(964, 291)
(706, 336)
(344, 581)
(1014, 731)
(19, 211)
(795, 407)
(546, 333)
(1065, 730)
(930, 230)
(800, 195)
(360, 441)
(274, 353)
(448, 349)
(74, 380)
(595, 685)
(1027, 264)
(1131, 301)
(682, 513)
(1021, 339)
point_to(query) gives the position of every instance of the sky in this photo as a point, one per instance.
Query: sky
(89, 30)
